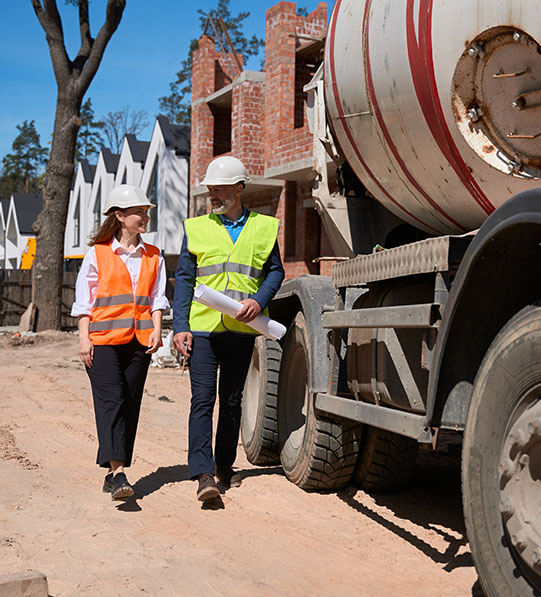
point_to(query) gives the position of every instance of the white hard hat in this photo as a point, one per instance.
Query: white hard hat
(124, 196)
(226, 170)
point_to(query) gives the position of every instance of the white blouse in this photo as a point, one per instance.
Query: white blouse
(87, 279)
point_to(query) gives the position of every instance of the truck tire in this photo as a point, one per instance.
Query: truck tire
(317, 452)
(386, 460)
(259, 429)
(501, 463)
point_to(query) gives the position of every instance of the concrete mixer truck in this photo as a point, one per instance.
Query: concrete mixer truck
(428, 115)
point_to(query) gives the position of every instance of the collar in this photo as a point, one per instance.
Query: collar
(116, 246)
(240, 222)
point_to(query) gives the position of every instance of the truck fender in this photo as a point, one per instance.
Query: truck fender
(499, 275)
(309, 294)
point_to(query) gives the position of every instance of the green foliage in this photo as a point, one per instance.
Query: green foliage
(21, 168)
(177, 106)
(89, 139)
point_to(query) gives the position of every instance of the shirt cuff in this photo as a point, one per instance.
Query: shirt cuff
(77, 310)
(159, 304)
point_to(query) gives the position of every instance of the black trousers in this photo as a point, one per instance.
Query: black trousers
(117, 377)
(232, 353)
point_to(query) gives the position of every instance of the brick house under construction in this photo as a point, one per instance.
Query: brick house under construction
(260, 118)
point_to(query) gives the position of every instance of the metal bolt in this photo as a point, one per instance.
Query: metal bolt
(474, 51)
(514, 166)
(534, 427)
(536, 557)
(506, 506)
(517, 36)
(519, 540)
(474, 114)
(506, 469)
(519, 103)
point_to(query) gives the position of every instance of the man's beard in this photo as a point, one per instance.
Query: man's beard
(225, 206)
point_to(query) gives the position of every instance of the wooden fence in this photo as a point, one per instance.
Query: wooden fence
(16, 295)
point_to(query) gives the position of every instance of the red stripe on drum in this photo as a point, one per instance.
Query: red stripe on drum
(421, 59)
(385, 130)
(345, 125)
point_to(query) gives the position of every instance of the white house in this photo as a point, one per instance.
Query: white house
(4, 208)
(23, 210)
(165, 180)
(132, 160)
(80, 219)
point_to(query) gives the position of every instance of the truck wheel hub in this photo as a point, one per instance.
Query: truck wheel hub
(520, 485)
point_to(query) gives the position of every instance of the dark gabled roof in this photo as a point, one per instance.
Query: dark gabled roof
(4, 205)
(110, 160)
(27, 208)
(176, 136)
(88, 170)
(143, 149)
(135, 149)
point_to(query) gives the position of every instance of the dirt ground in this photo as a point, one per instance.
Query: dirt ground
(269, 538)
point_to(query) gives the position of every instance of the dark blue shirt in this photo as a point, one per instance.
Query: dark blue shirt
(186, 274)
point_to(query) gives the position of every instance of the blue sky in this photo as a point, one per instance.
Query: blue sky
(139, 63)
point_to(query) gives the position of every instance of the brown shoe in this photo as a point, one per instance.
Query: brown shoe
(228, 477)
(207, 489)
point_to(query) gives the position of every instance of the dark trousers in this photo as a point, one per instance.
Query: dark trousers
(117, 377)
(232, 353)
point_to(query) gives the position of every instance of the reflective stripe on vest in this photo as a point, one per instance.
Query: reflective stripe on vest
(117, 313)
(236, 269)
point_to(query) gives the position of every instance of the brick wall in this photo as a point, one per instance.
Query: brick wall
(268, 128)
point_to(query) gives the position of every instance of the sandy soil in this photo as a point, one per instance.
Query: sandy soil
(269, 537)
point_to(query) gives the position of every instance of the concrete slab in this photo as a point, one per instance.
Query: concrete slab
(24, 584)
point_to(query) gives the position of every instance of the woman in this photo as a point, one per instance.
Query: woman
(119, 298)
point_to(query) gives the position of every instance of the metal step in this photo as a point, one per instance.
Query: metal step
(403, 316)
(403, 423)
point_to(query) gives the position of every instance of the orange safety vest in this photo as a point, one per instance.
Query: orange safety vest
(118, 314)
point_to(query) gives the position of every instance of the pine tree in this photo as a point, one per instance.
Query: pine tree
(89, 139)
(21, 168)
(176, 106)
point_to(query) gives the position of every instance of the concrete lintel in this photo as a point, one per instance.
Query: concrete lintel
(222, 94)
(24, 584)
(300, 170)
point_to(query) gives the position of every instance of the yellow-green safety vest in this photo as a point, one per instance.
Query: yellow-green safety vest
(236, 269)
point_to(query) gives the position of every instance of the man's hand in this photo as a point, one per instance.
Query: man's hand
(249, 311)
(183, 343)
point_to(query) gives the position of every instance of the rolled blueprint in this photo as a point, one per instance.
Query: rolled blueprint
(225, 304)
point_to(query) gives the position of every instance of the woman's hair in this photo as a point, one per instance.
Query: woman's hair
(104, 234)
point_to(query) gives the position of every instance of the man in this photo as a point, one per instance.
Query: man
(236, 252)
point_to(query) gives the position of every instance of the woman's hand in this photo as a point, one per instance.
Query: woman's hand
(86, 348)
(154, 341)
(86, 351)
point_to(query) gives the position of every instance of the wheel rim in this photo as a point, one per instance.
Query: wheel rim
(251, 392)
(520, 482)
(297, 398)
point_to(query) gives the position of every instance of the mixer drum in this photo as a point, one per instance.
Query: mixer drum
(436, 106)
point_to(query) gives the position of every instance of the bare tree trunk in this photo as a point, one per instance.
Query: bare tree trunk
(47, 269)
(73, 78)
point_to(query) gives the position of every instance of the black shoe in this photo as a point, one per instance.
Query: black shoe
(228, 477)
(120, 488)
(207, 489)
(108, 483)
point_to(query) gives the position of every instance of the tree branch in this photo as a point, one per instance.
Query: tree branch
(49, 19)
(113, 15)
(84, 28)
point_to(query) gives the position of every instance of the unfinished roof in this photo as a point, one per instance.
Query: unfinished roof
(27, 208)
